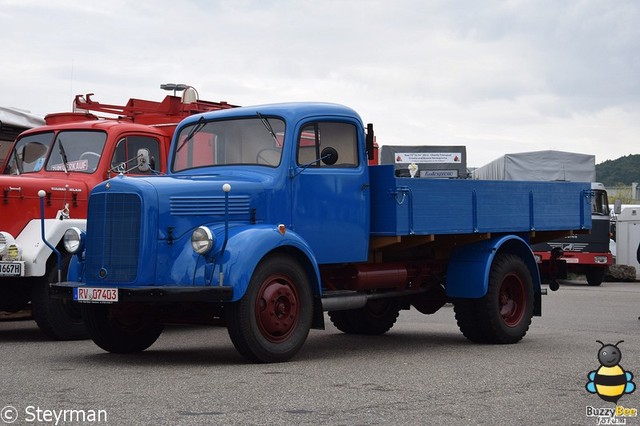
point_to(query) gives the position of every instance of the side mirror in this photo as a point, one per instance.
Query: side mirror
(329, 156)
(370, 142)
(144, 160)
(617, 206)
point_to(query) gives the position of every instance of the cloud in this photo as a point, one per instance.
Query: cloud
(497, 76)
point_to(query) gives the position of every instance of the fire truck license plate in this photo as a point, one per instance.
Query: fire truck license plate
(11, 269)
(95, 295)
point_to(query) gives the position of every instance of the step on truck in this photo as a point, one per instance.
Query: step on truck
(66, 158)
(270, 216)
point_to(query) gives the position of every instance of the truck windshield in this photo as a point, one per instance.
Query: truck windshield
(29, 154)
(248, 141)
(76, 151)
(600, 203)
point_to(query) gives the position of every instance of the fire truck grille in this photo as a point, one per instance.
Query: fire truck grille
(113, 228)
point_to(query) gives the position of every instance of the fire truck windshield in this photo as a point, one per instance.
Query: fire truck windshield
(76, 151)
(229, 142)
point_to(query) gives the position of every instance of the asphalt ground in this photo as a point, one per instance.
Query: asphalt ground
(422, 372)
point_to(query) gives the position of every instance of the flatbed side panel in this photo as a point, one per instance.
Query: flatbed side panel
(405, 206)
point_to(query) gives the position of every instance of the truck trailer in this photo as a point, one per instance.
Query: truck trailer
(66, 157)
(270, 215)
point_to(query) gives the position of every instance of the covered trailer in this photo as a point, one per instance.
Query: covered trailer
(540, 165)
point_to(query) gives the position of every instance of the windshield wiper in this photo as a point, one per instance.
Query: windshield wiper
(63, 154)
(199, 126)
(266, 124)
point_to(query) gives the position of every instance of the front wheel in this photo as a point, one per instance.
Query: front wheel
(504, 314)
(594, 275)
(272, 320)
(121, 330)
(59, 319)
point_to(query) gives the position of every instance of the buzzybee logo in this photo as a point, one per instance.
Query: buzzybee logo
(610, 381)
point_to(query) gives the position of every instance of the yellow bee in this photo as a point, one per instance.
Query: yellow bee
(610, 381)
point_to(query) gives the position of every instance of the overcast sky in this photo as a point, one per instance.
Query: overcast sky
(495, 76)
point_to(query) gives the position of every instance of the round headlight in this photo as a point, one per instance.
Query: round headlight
(73, 240)
(202, 240)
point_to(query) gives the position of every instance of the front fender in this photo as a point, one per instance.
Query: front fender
(247, 246)
(469, 267)
(34, 252)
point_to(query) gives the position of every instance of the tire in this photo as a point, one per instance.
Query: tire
(121, 330)
(376, 317)
(594, 275)
(59, 319)
(272, 320)
(504, 314)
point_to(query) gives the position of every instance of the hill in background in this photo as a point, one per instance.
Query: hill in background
(622, 171)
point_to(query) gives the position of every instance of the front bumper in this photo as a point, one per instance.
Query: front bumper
(164, 294)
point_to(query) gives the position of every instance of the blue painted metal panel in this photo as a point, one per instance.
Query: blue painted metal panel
(405, 206)
(469, 266)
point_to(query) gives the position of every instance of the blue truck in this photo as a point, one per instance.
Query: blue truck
(269, 216)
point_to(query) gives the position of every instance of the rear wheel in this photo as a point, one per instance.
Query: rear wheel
(376, 317)
(504, 314)
(272, 320)
(121, 329)
(57, 318)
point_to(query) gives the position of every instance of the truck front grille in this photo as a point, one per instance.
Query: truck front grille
(113, 245)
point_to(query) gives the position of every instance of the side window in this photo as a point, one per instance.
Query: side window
(317, 136)
(125, 155)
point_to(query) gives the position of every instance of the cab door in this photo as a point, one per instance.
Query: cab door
(330, 196)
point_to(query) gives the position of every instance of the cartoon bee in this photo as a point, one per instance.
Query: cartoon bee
(610, 381)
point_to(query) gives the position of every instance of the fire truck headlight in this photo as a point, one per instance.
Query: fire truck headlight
(6, 240)
(600, 259)
(73, 240)
(202, 240)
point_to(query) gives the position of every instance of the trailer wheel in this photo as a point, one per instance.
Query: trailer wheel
(120, 330)
(595, 275)
(504, 314)
(376, 317)
(272, 320)
(59, 319)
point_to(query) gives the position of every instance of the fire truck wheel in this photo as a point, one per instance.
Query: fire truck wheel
(121, 329)
(58, 319)
(272, 320)
(376, 317)
(595, 275)
(504, 314)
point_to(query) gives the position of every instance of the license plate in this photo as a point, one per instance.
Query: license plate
(95, 295)
(571, 259)
(11, 269)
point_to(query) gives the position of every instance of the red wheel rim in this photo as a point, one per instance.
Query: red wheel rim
(511, 300)
(277, 308)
